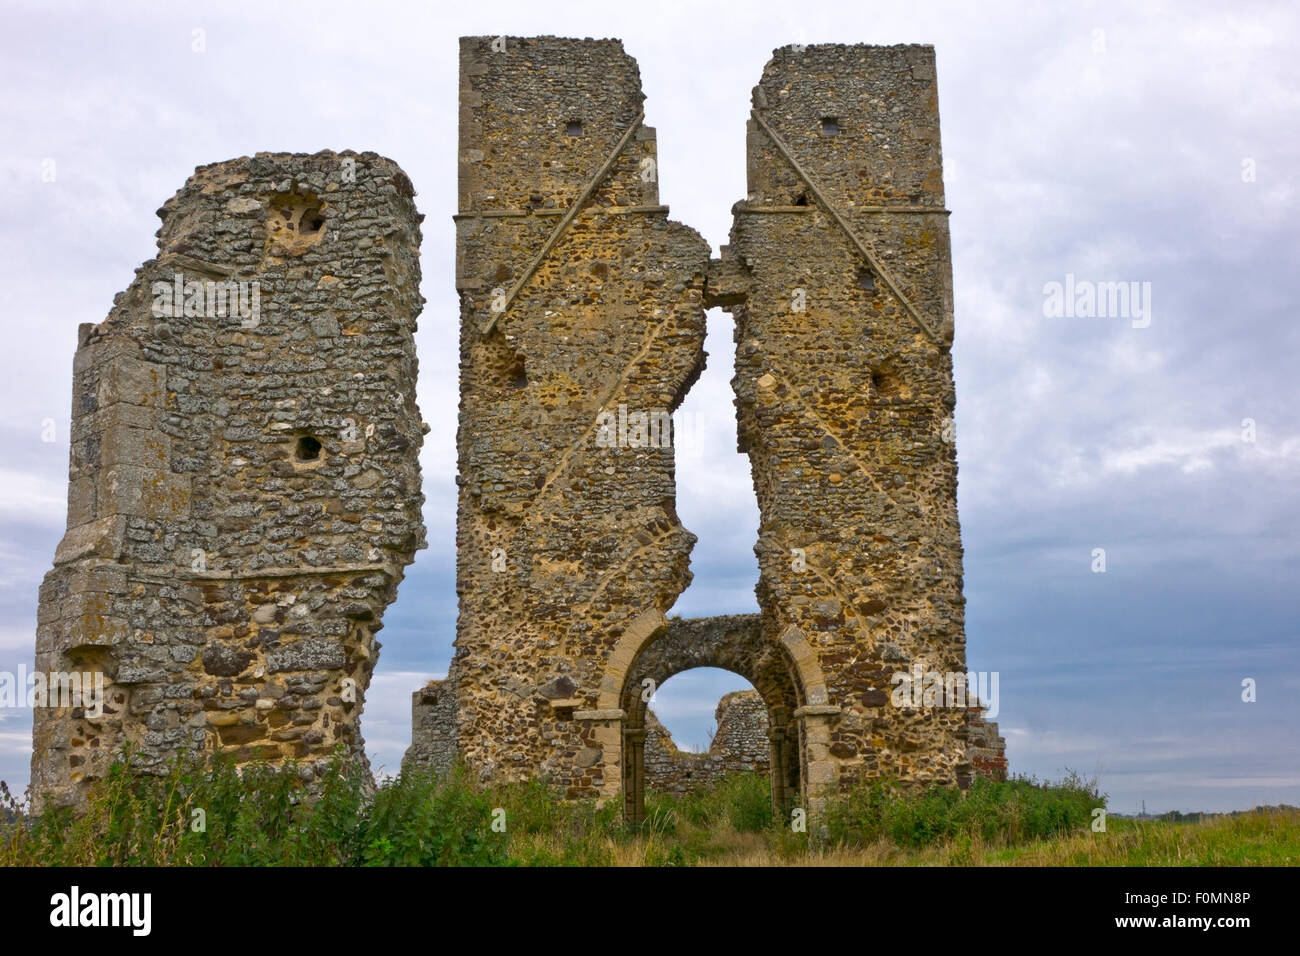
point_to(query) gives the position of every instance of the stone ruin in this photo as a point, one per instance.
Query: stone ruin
(244, 489)
(245, 492)
(740, 745)
(582, 328)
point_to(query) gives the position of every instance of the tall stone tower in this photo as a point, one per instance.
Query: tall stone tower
(839, 277)
(582, 327)
(581, 330)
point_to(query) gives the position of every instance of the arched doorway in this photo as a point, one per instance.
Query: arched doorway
(734, 644)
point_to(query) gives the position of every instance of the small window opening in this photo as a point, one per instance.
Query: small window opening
(830, 126)
(866, 280)
(308, 448)
(518, 376)
(801, 199)
(574, 128)
(885, 383)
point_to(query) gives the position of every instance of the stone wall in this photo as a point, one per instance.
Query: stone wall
(739, 745)
(838, 275)
(244, 487)
(578, 336)
(433, 728)
(582, 318)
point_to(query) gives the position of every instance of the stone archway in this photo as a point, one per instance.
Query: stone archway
(733, 643)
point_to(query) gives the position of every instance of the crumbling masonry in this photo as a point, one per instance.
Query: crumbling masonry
(245, 493)
(582, 324)
(740, 745)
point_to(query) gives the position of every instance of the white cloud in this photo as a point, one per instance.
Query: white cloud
(29, 496)
(20, 743)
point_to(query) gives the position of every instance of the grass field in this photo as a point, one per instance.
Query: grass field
(215, 815)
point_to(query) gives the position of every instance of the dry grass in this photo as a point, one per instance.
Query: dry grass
(1258, 838)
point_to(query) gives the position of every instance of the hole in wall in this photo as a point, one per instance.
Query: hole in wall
(714, 489)
(885, 383)
(573, 128)
(297, 221)
(307, 448)
(502, 367)
(801, 199)
(830, 126)
(866, 280)
(517, 376)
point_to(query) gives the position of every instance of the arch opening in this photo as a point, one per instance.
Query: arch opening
(704, 725)
(686, 706)
(735, 644)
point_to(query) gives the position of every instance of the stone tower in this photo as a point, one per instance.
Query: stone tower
(582, 327)
(244, 488)
(839, 278)
(581, 330)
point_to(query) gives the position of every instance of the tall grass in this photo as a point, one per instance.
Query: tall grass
(1014, 811)
(215, 814)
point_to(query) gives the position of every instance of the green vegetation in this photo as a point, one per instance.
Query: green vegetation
(1016, 812)
(216, 815)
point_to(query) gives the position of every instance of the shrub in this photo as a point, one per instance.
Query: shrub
(420, 820)
(1013, 811)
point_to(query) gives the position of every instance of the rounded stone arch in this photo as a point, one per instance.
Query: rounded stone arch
(732, 643)
(702, 637)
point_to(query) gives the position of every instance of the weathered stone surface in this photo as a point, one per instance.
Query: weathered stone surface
(218, 541)
(580, 297)
(844, 394)
(433, 728)
(740, 745)
(566, 534)
(244, 490)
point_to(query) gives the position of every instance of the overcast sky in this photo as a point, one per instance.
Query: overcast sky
(1155, 143)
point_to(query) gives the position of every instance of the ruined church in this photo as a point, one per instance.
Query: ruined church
(244, 485)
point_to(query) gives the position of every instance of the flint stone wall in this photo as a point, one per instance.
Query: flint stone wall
(244, 487)
(844, 394)
(433, 728)
(567, 533)
(739, 745)
(244, 497)
(579, 297)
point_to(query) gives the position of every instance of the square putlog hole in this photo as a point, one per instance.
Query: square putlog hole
(307, 448)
